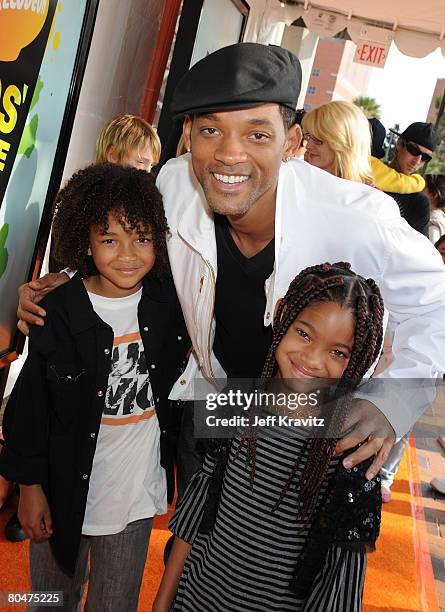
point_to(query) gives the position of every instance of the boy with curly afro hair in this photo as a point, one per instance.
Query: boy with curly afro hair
(89, 430)
(87, 201)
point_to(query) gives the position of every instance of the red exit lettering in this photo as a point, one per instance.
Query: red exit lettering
(371, 53)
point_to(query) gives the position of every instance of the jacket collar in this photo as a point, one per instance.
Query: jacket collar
(196, 224)
(155, 289)
(81, 313)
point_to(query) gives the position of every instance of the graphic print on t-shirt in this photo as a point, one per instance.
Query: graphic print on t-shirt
(129, 397)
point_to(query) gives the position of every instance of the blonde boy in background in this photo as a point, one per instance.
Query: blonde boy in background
(130, 141)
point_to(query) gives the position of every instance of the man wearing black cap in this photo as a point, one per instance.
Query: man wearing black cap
(243, 224)
(386, 178)
(414, 147)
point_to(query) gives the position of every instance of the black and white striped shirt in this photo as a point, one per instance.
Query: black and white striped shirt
(247, 561)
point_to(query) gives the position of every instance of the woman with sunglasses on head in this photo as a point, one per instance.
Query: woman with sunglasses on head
(435, 192)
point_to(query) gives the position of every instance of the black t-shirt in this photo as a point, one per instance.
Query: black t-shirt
(241, 340)
(415, 208)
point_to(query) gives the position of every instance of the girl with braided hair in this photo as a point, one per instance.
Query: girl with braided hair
(273, 521)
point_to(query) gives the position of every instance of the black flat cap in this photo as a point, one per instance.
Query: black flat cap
(239, 76)
(423, 134)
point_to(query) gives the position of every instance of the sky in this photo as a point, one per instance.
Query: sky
(405, 86)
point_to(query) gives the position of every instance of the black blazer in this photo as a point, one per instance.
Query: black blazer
(53, 416)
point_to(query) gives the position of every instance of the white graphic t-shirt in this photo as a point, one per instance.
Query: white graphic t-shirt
(127, 481)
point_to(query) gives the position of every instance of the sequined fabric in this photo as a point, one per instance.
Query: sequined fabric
(349, 518)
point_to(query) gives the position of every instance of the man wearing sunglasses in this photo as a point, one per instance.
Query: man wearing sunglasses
(414, 147)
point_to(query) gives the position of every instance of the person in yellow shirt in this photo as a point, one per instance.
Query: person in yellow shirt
(386, 178)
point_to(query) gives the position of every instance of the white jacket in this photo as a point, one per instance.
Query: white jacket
(319, 218)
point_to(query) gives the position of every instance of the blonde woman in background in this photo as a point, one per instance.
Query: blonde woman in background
(339, 141)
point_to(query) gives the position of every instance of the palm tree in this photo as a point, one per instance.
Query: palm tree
(368, 105)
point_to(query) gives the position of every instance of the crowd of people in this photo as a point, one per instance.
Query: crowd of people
(275, 253)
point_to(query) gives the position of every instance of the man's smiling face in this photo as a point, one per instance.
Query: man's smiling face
(236, 155)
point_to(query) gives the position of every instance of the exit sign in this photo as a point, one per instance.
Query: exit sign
(372, 53)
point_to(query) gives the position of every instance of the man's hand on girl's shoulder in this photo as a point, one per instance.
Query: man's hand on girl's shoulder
(366, 424)
(30, 294)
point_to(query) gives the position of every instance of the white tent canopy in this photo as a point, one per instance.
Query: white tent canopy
(417, 27)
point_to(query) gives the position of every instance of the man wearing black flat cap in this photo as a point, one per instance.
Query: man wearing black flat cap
(245, 219)
(414, 147)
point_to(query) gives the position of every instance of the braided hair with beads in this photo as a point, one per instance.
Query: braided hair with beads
(325, 283)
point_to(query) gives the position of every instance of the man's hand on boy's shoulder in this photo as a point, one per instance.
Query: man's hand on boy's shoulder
(366, 423)
(30, 294)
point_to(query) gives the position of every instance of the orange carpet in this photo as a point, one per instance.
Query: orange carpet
(14, 563)
(399, 576)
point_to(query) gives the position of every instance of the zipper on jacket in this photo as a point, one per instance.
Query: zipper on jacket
(209, 350)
